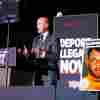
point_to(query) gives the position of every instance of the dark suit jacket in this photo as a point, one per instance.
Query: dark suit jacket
(51, 44)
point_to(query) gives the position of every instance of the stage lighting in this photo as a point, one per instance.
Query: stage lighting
(59, 14)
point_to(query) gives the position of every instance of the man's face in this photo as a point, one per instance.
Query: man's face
(94, 62)
(42, 24)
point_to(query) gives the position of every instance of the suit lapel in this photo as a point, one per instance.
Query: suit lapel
(48, 38)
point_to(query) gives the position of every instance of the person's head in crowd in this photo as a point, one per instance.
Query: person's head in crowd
(93, 62)
(42, 24)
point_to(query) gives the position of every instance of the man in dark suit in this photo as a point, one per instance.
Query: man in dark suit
(46, 50)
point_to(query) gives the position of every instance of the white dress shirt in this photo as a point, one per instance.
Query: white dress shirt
(45, 34)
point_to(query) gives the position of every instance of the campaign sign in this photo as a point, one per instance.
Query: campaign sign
(73, 31)
(8, 56)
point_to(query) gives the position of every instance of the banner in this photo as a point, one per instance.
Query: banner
(73, 31)
(8, 56)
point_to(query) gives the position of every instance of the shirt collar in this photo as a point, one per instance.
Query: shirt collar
(91, 77)
(45, 34)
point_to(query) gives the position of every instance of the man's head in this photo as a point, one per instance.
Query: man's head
(42, 24)
(93, 61)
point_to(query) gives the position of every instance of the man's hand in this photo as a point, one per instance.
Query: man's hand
(25, 51)
(36, 52)
(39, 53)
(19, 50)
(43, 54)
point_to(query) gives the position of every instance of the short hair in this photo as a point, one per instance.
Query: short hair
(43, 17)
(90, 50)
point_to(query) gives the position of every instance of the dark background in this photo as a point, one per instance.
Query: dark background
(23, 30)
(26, 12)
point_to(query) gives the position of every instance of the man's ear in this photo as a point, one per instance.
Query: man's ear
(86, 60)
(47, 25)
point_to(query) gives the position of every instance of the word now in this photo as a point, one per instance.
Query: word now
(70, 66)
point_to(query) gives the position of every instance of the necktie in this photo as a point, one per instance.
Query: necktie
(41, 37)
(42, 45)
